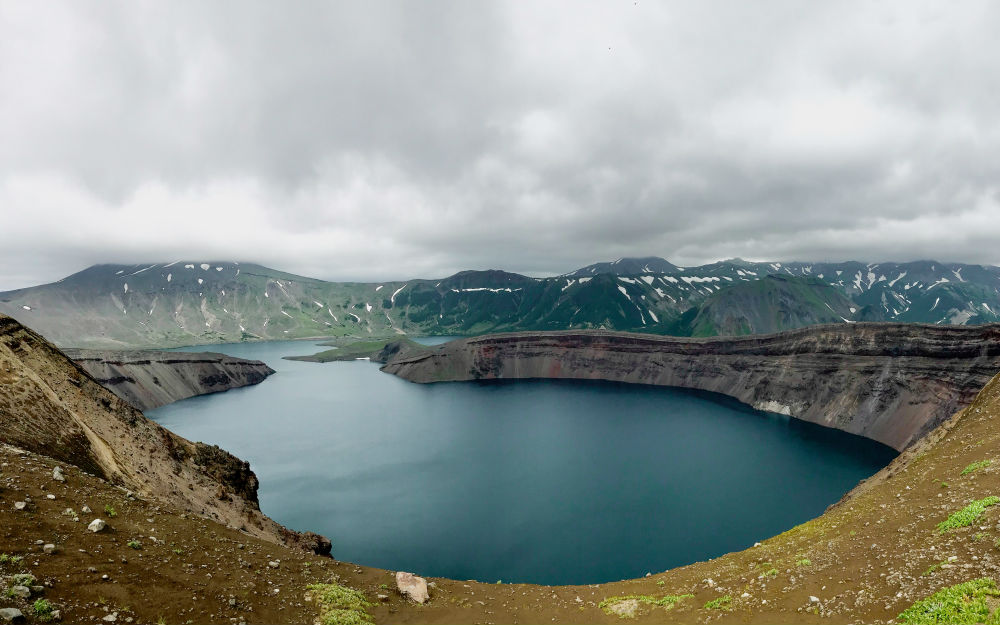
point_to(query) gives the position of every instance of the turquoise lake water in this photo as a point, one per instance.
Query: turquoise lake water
(546, 481)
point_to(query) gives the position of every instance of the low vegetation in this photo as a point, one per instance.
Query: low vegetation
(666, 602)
(725, 603)
(340, 605)
(958, 604)
(967, 515)
(43, 610)
(975, 466)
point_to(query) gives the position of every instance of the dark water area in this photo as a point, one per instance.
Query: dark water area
(543, 481)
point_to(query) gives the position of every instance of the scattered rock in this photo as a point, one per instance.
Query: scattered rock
(97, 525)
(49, 548)
(274, 564)
(19, 591)
(86, 510)
(50, 496)
(412, 586)
(11, 615)
(813, 599)
(111, 618)
(20, 505)
(57, 474)
(383, 597)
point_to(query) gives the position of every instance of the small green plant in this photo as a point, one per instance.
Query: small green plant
(968, 514)
(771, 572)
(725, 603)
(135, 544)
(933, 568)
(16, 559)
(978, 537)
(110, 510)
(384, 586)
(70, 512)
(944, 484)
(160, 620)
(340, 605)
(961, 603)
(43, 609)
(853, 532)
(975, 466)
(666, 602)
(803, 562)
(23, 579)
(660, 583)
(4, 558)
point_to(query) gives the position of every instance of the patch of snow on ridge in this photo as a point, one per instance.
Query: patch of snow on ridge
(584, 280)
(356, 318)
(987, 307)
(200, 281)
(379, 287)
(653, 315)
(189, 266)
(218, 268)
(26, 307)
(941, 281)
(624, 292)
(569, 283)
(626, 280)
(126, 287)
(647, 279)
(958, 274)
(395, 293)
(897, 278)
(169, 277)
(368, 307)
(483, 288)
(935, 304)
(205, 266)
(333, 315)
(286, 314)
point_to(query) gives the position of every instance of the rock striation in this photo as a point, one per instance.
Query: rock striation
(889, 382)
(150, 379)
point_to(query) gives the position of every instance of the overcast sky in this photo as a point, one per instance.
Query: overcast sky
(373, 140)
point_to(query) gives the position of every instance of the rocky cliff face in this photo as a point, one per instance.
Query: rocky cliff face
(888, 382)
(51, 406)
(149, 379)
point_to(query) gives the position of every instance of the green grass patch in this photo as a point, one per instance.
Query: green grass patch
(725, 603)
(340, 605)
(110, 510)
(665, 602)
(135, 544)
(43, 610)
(772, 572)
(803, 562)
(975, 466)
(967, 515)
(959, 604)
(930, 570)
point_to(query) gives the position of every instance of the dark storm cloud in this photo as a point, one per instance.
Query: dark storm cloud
(372, 140)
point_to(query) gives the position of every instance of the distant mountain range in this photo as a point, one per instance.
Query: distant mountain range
(190, 302)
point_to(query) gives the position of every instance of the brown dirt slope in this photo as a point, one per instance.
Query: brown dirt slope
(51, 406)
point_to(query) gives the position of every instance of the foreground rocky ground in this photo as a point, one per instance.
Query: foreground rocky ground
(865, 560)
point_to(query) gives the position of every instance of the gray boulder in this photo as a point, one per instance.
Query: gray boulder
(11, 615)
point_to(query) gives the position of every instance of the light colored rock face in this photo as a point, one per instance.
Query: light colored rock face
(412, 586)
(891, 383)
(11, 615)
(57, 474)
(625, 609)
(97, 525)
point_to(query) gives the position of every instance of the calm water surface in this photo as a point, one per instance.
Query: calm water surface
(553, 482)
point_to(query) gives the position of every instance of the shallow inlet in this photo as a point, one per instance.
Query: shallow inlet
(544, 481)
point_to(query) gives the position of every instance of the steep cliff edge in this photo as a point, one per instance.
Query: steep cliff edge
(150, 379)
(50, 405)
(889, 382)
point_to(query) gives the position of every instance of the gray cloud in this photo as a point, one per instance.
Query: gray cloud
(380, 140)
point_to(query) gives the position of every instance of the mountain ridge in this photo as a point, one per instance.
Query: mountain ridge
(198, 302)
